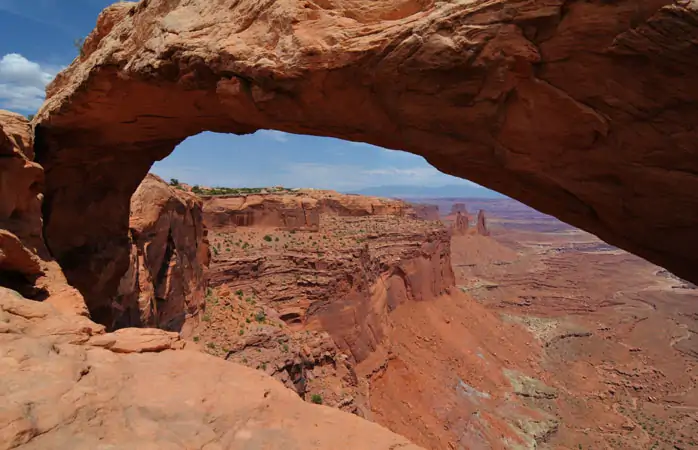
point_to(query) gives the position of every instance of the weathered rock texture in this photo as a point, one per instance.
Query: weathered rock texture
(461, 224)
(293, 211)
(65, 383)
(164, 284)
(482, 229)
(581, 109)
(25, 263)
(339, 284)
(425, 212)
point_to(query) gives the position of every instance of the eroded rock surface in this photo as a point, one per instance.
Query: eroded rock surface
(298, 210)
(313, 308)
(461, 224)
(68, 384)
(25, 263)
(164, 284)
(583, 110)
(481, 225)
(425, 211)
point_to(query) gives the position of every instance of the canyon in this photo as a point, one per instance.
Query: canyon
(485, 331)
(361, 320)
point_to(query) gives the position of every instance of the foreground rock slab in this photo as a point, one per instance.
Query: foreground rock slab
(64, 383)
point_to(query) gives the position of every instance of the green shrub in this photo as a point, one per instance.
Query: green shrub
(316, 398)
(267, 238)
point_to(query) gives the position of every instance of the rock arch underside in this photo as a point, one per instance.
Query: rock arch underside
(585, 110)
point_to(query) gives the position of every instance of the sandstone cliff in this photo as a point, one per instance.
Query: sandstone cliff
(298, 210)
(313, 308)
(25, 263)
(88, 388)
(425, 212)
(164, 284)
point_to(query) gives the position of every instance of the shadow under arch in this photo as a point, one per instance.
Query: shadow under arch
(487, 101)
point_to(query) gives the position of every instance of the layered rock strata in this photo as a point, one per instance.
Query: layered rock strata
(313, 308)
(298, 210)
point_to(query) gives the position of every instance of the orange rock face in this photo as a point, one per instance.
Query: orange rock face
(165, 282)
(25, 263)
(547, 102)
(89, 389)
(293, 211)
(425, 212)
(313, 308)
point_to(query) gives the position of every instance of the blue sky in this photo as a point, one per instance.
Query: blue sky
(37, 40)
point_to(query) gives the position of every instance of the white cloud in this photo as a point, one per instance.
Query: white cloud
(278, 136)
(422, 176)
(23, 83)
(343, 176)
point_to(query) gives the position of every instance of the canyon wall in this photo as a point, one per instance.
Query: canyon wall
(89, 388)
(425, 212)
(26, 265)
(299, 210)
(165, 283)
(145, 387)
(339, 283)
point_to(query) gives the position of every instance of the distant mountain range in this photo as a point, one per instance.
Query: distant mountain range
(407, 191)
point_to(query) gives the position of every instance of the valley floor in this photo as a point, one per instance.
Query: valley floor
(618, 334)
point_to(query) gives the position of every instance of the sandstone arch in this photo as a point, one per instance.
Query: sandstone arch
(585, 110)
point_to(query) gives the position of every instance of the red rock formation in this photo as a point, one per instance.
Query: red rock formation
(282, 211)
(462, 224)
(482, 229)
(519, 96)
(165, 282)
(425, 212)
(343, 280)
(459, 208)
(90, 389)
(25, 263)
(299, 210)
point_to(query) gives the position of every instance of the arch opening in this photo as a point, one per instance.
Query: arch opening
(515, 104)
